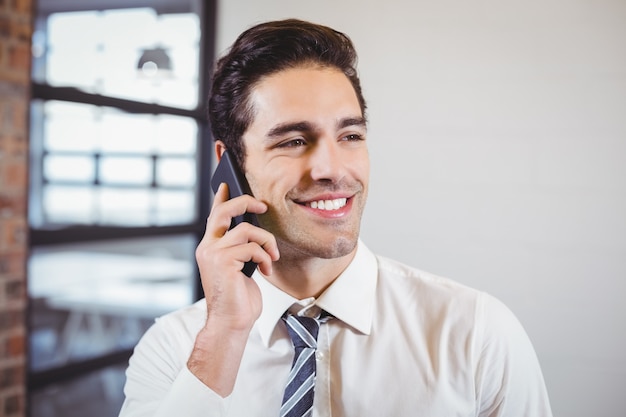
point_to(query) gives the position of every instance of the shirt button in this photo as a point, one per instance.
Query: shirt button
(319, 356)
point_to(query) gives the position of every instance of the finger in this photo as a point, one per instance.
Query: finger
(221, 194)
(224, 210)
(251, 252)
(244, 203)
(247, 233)
(265, 240)
(251, 237)
(213, 226)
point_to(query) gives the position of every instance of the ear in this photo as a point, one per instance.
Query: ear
(220, 148)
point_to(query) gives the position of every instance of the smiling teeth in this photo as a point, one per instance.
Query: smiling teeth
(335, 204)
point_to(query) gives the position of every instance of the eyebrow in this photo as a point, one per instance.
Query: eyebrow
(283, 128)
(352, 121)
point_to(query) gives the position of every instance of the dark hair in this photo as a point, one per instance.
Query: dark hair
(264, 50)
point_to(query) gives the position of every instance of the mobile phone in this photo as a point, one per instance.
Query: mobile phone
(227, 171)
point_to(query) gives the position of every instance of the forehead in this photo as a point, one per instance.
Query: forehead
(304, 93)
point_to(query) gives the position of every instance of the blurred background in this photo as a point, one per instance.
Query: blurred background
(498, 146)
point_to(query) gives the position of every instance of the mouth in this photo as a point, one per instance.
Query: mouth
(328, 205)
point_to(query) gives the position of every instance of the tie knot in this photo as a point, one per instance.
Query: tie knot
(304, 330)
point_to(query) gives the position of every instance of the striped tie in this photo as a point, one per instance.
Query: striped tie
(298, 397)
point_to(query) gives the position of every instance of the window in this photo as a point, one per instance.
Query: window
(120, 162)
(116, 168)
(138, 53)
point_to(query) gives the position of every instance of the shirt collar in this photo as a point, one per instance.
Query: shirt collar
(350, 298)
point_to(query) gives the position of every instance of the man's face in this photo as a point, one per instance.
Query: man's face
(306, 157)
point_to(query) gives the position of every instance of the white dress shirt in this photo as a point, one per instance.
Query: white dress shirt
(402, 343)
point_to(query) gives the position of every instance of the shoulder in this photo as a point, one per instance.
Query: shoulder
(186, 321)
(174, 332)
(425, 285)
(431, 295)
(483, 330)
(189, 315)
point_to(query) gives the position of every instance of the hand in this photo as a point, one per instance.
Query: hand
(233, 300)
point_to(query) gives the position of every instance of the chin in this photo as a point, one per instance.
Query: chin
(337, 248)
(340, 248)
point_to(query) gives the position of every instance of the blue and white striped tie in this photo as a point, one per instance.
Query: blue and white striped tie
(298, 397)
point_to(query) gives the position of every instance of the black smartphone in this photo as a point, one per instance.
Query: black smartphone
(227, 171)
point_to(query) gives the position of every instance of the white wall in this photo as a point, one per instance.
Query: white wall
(498, 146)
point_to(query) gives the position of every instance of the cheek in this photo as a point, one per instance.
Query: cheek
(255, 187)
(271, 182)
(361, 167)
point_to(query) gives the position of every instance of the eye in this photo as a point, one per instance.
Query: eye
(292, 143)
(353, 137)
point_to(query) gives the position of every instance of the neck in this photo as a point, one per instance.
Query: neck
(304, 278)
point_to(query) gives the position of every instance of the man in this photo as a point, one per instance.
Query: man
(382, 339)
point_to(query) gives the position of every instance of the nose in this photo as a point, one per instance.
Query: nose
(327, 161)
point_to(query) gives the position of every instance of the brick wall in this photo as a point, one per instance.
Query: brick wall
(15, 34)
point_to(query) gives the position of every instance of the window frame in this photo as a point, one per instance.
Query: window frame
(45, 236)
